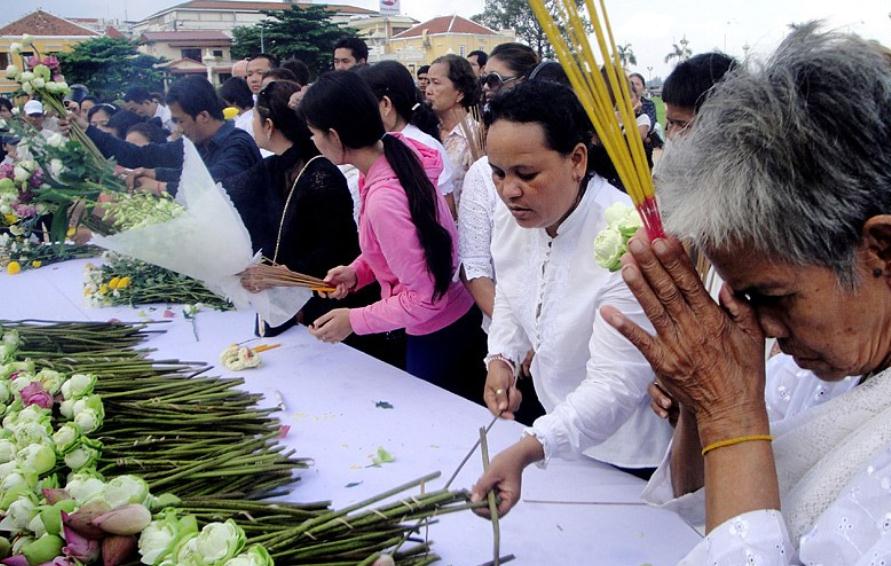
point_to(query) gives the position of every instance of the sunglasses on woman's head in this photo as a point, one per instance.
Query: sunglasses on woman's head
(494, 81)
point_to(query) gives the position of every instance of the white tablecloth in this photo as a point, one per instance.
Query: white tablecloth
(573, 513)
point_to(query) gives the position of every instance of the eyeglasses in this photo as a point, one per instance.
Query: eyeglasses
(495, 81)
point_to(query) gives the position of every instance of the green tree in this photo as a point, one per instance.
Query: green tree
(306, 33)
(626, 55)
(680, 51)
(517, 15)
(108, 66)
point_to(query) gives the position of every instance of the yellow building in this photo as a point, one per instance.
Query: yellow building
(191, 52)
(377, 31)
(441, 36)
(52, 34)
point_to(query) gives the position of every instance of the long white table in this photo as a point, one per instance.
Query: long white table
(581, 512)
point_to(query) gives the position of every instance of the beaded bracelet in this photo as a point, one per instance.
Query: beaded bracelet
(735, 441)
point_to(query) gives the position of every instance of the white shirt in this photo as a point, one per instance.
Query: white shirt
(245, 121)
(445, 184)
(591, 381)
(163, 113)
(476, 219)
(854, 530)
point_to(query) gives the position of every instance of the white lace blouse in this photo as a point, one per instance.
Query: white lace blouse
(476, 218)
(853, 530)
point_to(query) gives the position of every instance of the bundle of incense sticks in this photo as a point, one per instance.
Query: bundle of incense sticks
(277, 276)
(601, 85)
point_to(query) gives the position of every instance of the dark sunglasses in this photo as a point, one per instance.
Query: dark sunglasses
(494, 81)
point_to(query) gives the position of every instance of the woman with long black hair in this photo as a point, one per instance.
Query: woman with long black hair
(403, 110)
(407, 238)
(295, 204)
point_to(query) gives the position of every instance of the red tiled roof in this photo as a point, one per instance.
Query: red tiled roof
(446, 24)
(258, 6)
(42, 23)
(186, 35)
(111, 31)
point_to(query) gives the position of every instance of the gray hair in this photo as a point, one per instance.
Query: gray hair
(790, 159)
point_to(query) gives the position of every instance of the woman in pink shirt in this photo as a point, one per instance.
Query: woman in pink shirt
(407, 238)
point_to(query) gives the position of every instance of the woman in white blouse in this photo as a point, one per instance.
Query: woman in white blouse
(590, 380)
(785, 183)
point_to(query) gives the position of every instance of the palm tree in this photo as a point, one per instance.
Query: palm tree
(681, 51)
(626, 54)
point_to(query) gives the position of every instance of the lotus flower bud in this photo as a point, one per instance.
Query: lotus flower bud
(127, 520)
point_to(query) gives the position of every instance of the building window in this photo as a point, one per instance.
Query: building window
(193, 53)
(461, 50)
(218, 53)
(4, 59)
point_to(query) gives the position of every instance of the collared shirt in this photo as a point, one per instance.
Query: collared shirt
(228, 152)
(591, 381)
(163, 113)
(458, 148)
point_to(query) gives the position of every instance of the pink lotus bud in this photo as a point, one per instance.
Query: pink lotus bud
(118, 550)
(35, 394)
(82, 520)
(125, 520)
(18, 560)
(79, 547)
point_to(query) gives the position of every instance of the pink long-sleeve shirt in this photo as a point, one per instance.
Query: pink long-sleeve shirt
(392, 255)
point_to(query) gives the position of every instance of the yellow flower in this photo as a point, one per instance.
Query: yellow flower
(113, 284)
(103, 289)
(10, 218)
(36, 263)
(71, 232)
(124, 282)
(13, 267)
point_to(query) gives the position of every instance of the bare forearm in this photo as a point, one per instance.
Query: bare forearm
(742, 477)
(687, 473)
(483, 291)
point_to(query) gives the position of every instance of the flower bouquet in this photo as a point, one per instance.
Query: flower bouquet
(19, 254)
(126, 281)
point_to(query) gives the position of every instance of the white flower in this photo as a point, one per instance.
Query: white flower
(26, 76)
(38, 83)
(609, 245)
(21, 174)
(27, 39)
(39, 458)
(12, 72)
(87, 420)
(126, 489)
(67, 408)
(19, 515)
(83, 487)
(66, 436)
(218, 542)
(56, 140)
(15, 48)
(615, 214)
(56, 167)
(78, 386)
(7, 451)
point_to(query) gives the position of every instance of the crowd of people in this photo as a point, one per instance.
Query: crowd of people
(454, 214)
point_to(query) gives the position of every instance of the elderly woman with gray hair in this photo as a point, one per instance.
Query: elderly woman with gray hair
(785, 183)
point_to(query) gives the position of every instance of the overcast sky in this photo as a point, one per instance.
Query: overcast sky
(650, 26)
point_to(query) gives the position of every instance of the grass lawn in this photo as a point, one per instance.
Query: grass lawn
(660, 110)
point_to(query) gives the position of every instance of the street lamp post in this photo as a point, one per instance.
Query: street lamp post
(209, 60)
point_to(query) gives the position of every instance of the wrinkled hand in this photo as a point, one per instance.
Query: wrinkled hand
(136, 177)
(708, 358)
(333, 326)
(66, 121)
(662, 404)
(501, 394)
(505, 476)
(343, 278)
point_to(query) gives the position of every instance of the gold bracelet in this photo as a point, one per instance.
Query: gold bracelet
(735, 441)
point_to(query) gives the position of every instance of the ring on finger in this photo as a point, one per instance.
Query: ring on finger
(499, 392)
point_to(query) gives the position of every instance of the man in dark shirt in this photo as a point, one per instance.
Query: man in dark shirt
(198, 112)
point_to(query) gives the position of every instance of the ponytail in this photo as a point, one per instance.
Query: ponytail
(422, 204)
(344, 102)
